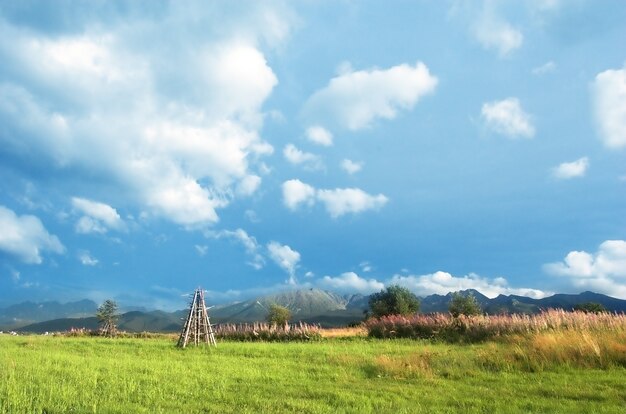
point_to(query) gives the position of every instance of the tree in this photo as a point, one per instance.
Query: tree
(278, 315)
(394, 300)
(107, 316)
(590, 307)
(464, 305)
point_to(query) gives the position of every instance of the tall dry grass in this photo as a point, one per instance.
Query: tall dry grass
(479, 328)
(260, 331)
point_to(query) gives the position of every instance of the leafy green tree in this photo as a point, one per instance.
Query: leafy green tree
(107, 316)
(278, 315)
(464, 305)
(394, 300)
(590, 307)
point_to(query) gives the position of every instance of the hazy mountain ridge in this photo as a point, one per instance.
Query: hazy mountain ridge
(29, 312)
(308, 305)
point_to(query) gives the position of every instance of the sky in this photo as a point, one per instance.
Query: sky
(151, 147)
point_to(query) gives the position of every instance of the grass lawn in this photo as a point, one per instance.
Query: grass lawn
(58, 375)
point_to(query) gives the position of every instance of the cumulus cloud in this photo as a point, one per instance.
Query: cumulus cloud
(184, 146)
(341, 201)
(603, 271)
(319, 135)
(608, 261)
(488, 25)
(609, 104)
(252, 247)
(97, 217)
(572, 169)
(306, 159)
(337, 202)
(350, 166)
(548, 67)
(295, 193)
(351, 282)
(507, 117)
(493, 33)
(286, 258)
(87, 259)
(442, 283)
(248, 185)
(355, 99)
(25, 237)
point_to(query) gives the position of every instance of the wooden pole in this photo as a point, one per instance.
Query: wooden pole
(197, 327)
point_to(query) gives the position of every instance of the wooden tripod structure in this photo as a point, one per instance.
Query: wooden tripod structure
(197, 328)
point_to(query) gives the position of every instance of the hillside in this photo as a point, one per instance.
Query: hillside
(305, 304)
(30, 312)
(308, 305)
(135, 321)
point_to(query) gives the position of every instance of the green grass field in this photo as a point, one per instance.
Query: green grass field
(359, 375)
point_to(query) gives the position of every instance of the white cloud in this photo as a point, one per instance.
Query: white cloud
(239, 78)
(248, 185)
(497, 34)
(350, 166)
(87, 260)
(548, 67)
(442, 283)
(366, 266)
(355, 99)
(201, 249)
(608, 261)
(251, 216)
(286, 258)
(351, 282)
(252, 247)
(98, 217)
(295, 193)
(572, 169)
(319, 135)
(337, 202)
(298, 157)
(609, 102)
(507, 117)
(488, 25)
(25, 237)
(185, 145)
(341, 201)
(603, 272)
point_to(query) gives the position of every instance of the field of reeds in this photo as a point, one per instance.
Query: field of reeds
(480, 328)
(552, 363)
(261, 331)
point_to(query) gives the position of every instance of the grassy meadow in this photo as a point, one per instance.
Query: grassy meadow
(557, 371)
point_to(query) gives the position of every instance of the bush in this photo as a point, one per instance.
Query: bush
(278, 315)
(394, 300)
(464, 305)
(590, 307)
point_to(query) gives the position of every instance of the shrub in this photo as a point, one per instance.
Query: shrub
(278, 315)
(394, 300)
(464, 305)
(107, 316)
(590, 307)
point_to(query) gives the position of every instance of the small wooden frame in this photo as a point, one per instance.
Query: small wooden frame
(197, 329)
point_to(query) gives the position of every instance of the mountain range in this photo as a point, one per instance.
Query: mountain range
(307, 305)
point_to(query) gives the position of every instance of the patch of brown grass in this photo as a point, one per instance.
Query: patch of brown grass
(403, 367)
(343, 332)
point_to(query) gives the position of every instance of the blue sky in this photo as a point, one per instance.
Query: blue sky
(147, 148)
